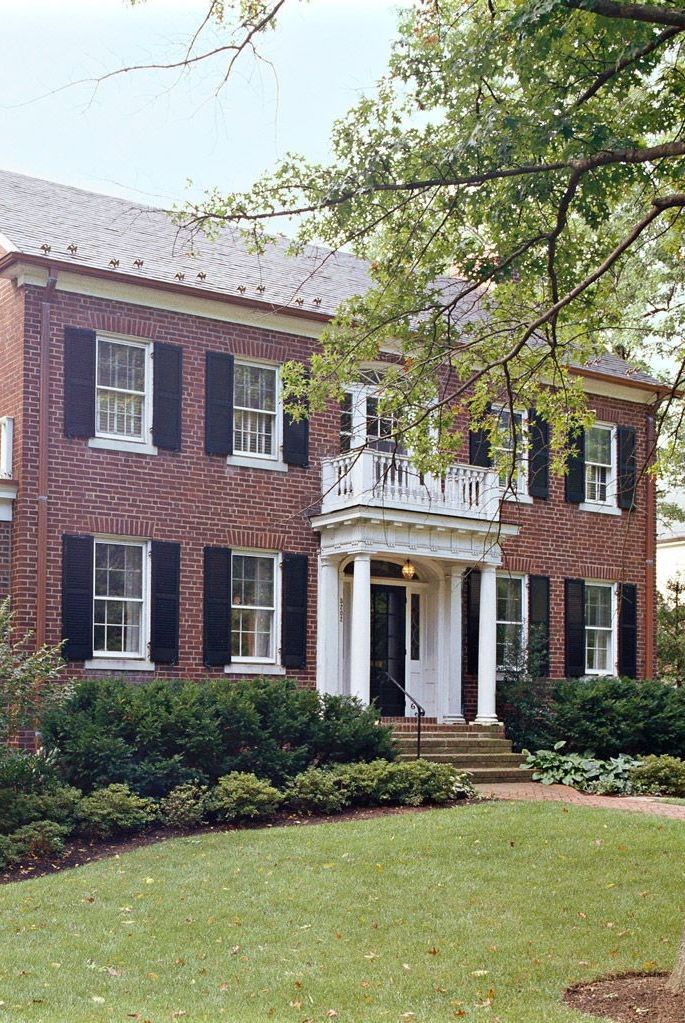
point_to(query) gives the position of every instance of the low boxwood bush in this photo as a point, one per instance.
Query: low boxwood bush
(38, 840)
(185, 806)
(115, 810)
(588, 774)
(242, 796)
(160, 734)
(316, 790)
(659, 776)
(603, 717)
(415, 782)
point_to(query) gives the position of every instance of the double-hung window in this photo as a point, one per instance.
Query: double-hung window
(255, 411)
(253, 607)
(599, 465)
(123, 390)
(510, 450)
(120, 599)
(510, 622)
(599, 629)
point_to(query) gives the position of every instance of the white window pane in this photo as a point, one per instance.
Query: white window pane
(121, 366)
(253, 581)
(598, 606)
(254, 387)
(253, 432)
(598, 445)
(120, 414)
(509, 602)
(118, 603)
(598, 650)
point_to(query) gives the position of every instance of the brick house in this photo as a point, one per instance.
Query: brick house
(160, 513)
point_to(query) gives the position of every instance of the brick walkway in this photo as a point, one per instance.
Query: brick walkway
(536, 793)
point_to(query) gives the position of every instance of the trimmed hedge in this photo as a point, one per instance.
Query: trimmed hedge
(161, 734)
(606, 716)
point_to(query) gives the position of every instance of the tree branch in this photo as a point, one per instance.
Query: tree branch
(621, 65)
(631, 12)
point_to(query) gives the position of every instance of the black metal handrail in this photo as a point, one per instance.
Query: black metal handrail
(413, 702)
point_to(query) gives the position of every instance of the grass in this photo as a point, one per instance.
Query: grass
(673, 799)
(477, 913)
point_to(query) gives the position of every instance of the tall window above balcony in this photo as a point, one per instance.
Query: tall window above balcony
(510, 450)
(255, 413)
(123, 389)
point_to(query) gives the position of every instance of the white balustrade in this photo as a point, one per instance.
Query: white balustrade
(365, 476)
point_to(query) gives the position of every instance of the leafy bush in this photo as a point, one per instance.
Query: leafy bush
(8, 852)
(161, 734)
(604, 777)
(38, 840)
(25, 771)
(115, 810)
(59, 803)
(241, 796)
(604, 716)
(415, 782)
(26, 675)
(361, 784)
(659, 776)
(185, 806)
(316, 790)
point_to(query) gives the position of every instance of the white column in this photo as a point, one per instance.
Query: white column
(360, 640)
(453, 639)
(328, 628)
(487, 647)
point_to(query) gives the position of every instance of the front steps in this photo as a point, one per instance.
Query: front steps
(483, 751)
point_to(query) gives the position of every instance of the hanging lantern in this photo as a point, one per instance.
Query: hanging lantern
(408, 570)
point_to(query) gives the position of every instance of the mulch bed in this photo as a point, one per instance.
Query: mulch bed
(81, 851)
(629, 997)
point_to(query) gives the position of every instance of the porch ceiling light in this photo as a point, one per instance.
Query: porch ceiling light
(408, 570)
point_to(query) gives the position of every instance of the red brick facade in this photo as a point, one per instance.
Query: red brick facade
(198, 500)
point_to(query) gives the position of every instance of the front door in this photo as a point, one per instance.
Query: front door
(388, 648)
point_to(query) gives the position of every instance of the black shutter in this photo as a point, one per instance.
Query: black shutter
(538, 625)
(166, 398)
(479, 448)
(218, 403)
(294, 625)
(77, 597)
(217, 606)
(472, 619)
(166, 572)
(574, 607)
(295, 441)
(79, 382)
(575, 477)
(627, 630)
(627, 468)
(538, 455)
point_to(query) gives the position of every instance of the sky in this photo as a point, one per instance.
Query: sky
(145, 135)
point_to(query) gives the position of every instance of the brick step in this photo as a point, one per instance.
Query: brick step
(487, 775)
(447, 744)
(467, 761)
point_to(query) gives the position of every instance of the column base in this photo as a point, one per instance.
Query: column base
(485, 720)
(453, 719)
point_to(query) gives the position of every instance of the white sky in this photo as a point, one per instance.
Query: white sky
(143, 135)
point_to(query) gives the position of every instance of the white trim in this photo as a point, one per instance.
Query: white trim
(253, 459)
(247, 663)
(106, 655)
(148, 390)
(134, 447)
(501, 668)
(601, 509)
(613, 652)
(118, 664)
(254, 668)
(255, 462)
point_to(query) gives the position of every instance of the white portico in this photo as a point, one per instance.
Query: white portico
(378, 516)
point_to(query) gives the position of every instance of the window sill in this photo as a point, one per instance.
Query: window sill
(253, 668)
(600, 509)
(248, 462)
(118, 664)
(132, 446)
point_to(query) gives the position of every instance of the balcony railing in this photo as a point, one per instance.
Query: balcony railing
(386, 480)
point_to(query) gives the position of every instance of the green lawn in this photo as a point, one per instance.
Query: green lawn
(477, 913)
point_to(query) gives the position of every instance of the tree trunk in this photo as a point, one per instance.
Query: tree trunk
(677, 979)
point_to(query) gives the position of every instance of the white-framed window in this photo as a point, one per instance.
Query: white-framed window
(600, 641)
(254, 606)
(121, 598)
(600, 461)
(123, 390)
(362, 423)
(510, 450)
(256, 419)
(511, 620)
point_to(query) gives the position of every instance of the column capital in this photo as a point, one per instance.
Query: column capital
(488, 569)
(362, 556)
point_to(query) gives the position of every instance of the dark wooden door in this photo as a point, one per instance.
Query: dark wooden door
(388, 647)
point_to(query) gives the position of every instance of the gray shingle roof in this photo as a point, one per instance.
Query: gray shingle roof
(122, 237)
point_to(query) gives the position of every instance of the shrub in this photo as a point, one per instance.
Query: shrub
(26, 771)
(8, 852)
(604, 777)
(603, 717)
(362, 783)
(115, 810)
(241, 796)
(316, 790)
(415, 782)
(185, 806)
(59, 804)
(659, 776)
(38, 840)
(163, 733)
(26, 675)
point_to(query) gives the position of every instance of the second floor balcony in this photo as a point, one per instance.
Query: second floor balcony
(379, 479)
